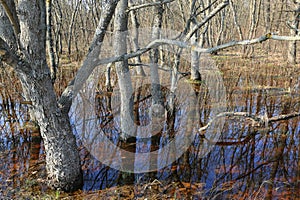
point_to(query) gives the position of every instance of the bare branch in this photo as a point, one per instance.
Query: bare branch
(206, 19)
(150, 46)
(231, 44)
(284, 38)
(49, 41)
(90, 61)
(148, 5)
(159, 42)
(259, 119)
(284, 117)
(246, 42)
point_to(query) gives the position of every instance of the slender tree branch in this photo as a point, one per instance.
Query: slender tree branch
(257, 120)
(206, 19)
(260, 120)
(159, 42)
(148, 5)
(205, 9)
(152, 45)
(284, 117)
(49, 41)
(246, 42)
(90, 62)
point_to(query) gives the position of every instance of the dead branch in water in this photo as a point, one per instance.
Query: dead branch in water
(260, 119)
(257, 120)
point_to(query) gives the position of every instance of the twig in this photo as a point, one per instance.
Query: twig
(148, 5)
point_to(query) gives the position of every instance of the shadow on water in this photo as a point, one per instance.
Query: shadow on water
(247, 161)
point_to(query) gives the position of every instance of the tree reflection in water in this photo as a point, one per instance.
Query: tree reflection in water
(248, 161)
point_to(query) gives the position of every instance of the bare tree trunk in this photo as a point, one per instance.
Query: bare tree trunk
(128, 127)
(292, 49)
(221, 27)
(122, 69)
(108, 77)
(135, 40)
(62, 156)
(71, 25)
(57, 31)
(195, 74)
(154, 57)
(254, 19)
(268, 15)
(236, 23)
(53, 65)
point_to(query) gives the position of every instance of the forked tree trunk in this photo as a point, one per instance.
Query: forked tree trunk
(62, 157)
(23, 47)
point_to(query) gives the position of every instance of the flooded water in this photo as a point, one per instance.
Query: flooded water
(248, 161)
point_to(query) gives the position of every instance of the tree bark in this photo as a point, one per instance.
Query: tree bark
(135, 40)
(122, 69)
(62, 157)
(53, 65)
(154, 57)
(29, 62)
(255, 12)
(195, 74)
(70, 32)
(292, 46)
(7, 25)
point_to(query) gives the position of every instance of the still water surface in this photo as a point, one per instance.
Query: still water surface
(247, 161)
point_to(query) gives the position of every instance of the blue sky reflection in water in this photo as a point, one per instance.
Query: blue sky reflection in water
(246, 158)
